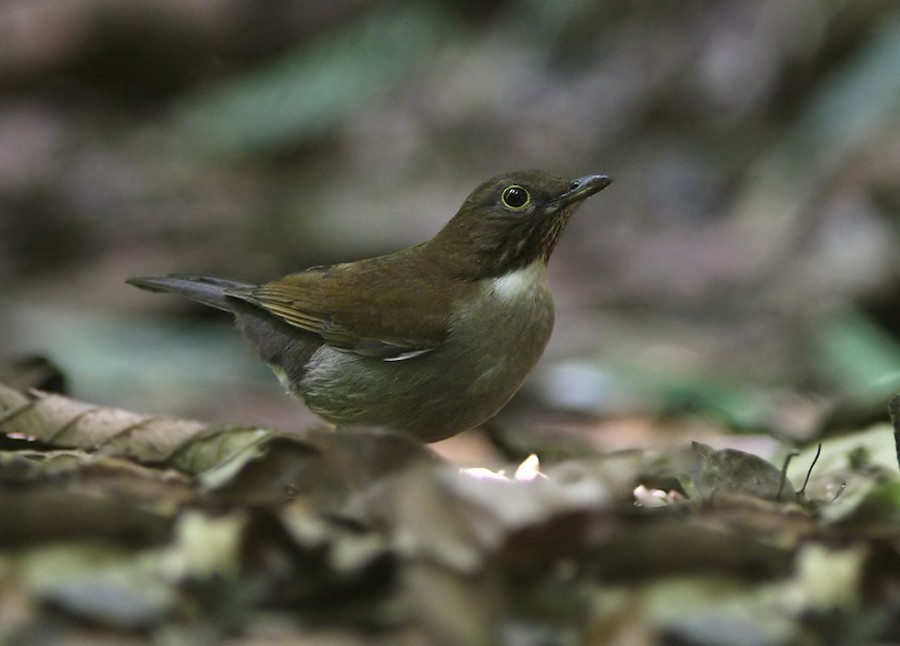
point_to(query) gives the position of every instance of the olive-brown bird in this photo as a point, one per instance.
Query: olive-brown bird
(430, 340)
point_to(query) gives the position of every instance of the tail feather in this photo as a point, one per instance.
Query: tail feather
(209, 290)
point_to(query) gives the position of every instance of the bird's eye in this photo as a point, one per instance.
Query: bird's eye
(515, 197)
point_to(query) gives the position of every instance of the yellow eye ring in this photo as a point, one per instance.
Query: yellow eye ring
(515, 197)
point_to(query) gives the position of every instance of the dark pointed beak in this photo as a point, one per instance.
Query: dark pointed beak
(582, 188)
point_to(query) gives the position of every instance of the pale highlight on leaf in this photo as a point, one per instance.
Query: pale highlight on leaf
(188, 445)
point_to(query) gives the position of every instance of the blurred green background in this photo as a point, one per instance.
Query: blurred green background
(744, 257)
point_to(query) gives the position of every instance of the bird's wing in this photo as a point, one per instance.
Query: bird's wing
(354, 311)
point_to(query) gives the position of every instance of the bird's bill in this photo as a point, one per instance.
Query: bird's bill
(582, 188)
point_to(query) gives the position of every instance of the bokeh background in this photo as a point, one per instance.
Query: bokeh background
(742, 266)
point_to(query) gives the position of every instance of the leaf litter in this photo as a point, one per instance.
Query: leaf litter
(124, 526)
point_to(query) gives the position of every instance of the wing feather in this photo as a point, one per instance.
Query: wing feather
(360, 310)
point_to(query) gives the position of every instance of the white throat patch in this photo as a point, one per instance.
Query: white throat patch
(519, 282)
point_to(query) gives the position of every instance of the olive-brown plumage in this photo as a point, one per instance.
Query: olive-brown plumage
(430, 340)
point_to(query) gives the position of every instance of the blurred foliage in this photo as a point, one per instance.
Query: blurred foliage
(313, 90)
(755, 193)
(859, 354)
(753, 149)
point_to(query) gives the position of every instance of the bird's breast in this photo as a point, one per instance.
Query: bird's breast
(503, 331)
(497, 331)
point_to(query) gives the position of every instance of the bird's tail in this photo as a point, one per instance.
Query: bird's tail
(209, 290)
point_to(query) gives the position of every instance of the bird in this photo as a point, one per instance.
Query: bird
(430, 340)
